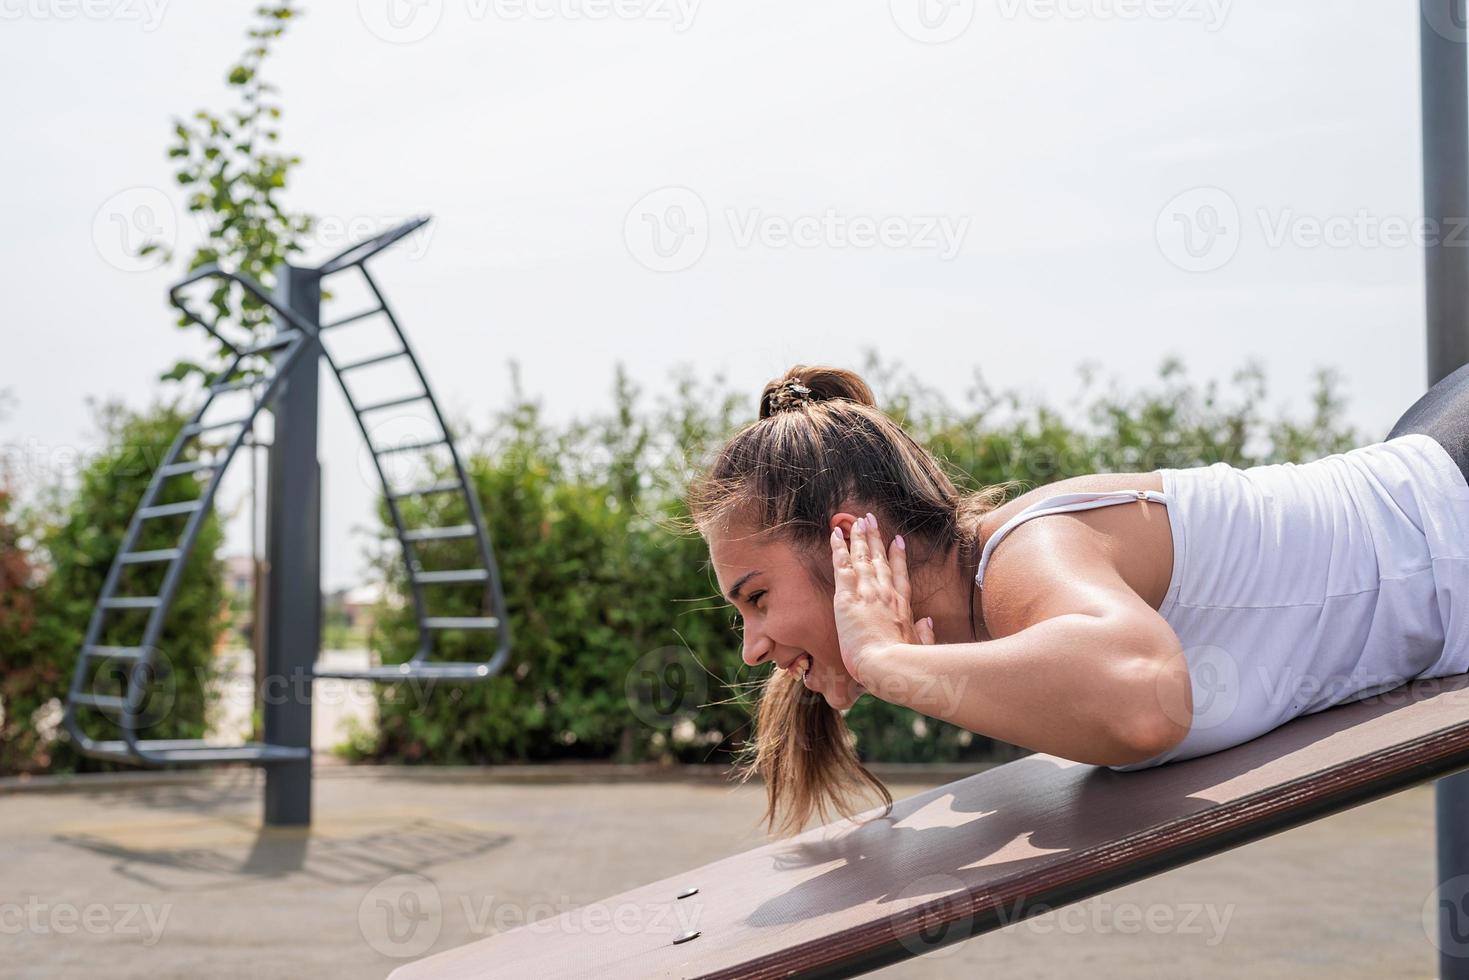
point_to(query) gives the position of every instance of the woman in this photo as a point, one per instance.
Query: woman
(1153, 617)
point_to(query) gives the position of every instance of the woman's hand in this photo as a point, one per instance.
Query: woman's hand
(872, 598)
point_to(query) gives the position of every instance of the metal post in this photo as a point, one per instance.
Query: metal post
(1445, 95)
(293, 552)
(1445, 107)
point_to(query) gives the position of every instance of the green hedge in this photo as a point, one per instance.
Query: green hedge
(622, 649)
(52, 585)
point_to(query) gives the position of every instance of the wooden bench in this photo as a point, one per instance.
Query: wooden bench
(980, 853)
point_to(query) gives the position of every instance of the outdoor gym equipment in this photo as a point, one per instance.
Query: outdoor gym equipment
(280, 374)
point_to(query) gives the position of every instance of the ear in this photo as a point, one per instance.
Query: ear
(844, 520)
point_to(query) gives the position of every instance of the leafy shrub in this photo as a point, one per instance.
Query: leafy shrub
(77, 534)
(597, 584)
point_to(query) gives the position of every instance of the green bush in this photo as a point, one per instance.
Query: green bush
(600, 589)
(76, 534)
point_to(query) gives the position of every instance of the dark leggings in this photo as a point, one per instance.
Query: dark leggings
(1443, 414)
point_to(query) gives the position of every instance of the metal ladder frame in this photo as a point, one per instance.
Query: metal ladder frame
(286, 345)
(356, 257)
(142, 660)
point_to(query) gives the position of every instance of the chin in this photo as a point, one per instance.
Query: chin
(846, 694)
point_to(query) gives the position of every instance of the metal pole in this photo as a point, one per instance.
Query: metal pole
(1445, 95)
(293, 553)
(1445, 108)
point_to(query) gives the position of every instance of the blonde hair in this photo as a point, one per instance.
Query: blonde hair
(821, 441)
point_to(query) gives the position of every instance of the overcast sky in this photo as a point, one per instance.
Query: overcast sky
(1013, 185)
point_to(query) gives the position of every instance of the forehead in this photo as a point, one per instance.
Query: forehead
(733, 553)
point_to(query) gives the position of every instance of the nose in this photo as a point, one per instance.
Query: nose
(756, 645)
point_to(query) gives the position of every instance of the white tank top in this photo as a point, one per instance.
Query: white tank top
(1299, 586)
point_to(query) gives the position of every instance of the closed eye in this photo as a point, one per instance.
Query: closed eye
(755, 598)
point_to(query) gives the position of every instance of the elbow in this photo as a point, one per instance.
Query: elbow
(1158, 709)
(1145, 739)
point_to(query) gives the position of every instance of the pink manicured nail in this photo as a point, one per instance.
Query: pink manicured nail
(858, 525)
(902, 545)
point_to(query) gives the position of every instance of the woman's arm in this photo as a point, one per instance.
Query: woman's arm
(1080, 666)
(1097, 689)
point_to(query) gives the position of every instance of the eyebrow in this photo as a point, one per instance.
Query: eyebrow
(734, 592)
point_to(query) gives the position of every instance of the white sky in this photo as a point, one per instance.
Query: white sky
(1052, 137)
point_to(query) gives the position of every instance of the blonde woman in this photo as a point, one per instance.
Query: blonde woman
(1152, 617)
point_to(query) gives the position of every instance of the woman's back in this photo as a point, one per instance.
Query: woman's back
(1295, 587)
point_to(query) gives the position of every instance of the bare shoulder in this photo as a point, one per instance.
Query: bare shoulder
(1077, 561)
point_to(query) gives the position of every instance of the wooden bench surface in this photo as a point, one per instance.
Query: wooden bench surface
(981, 853)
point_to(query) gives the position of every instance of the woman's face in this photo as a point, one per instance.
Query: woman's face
(786, 614)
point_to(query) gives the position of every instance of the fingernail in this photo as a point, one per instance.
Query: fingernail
(871, 520)
(857, 525)
(902, 545)
(929, 620)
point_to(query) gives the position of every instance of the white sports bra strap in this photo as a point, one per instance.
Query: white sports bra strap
(1060, 503)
